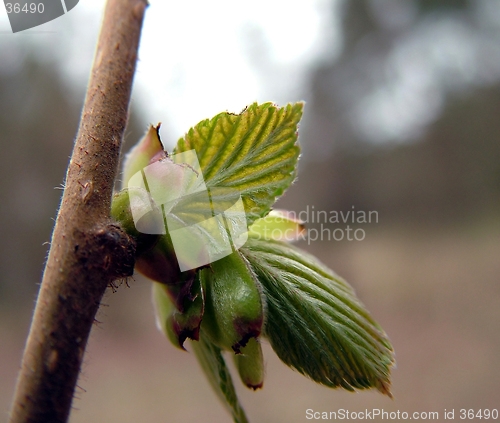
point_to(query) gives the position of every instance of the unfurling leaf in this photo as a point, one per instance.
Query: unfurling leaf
(314, 321)
(254, 152)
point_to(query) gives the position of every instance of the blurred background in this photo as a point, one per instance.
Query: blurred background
(400, 119)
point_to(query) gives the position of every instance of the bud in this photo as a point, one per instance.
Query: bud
(190, 303)
(122, 213)
(179, 323)
(234, 303)
(250, 364)
(160, 265)
(142, 153)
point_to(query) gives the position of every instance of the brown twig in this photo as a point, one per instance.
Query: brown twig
(87, 251)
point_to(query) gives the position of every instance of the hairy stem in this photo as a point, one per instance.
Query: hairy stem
(87, 251)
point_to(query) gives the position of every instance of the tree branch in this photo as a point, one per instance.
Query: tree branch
(87, 251)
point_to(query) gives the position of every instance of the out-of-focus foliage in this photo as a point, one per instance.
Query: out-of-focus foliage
(37, 124)
(444, 167)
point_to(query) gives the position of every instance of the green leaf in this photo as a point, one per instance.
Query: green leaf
(212, 362)
(254, 152)
(315, 323)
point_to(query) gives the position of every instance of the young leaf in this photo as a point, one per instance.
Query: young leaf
(212, 362)
(315, 323)
(278, 225)
(254, 152)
